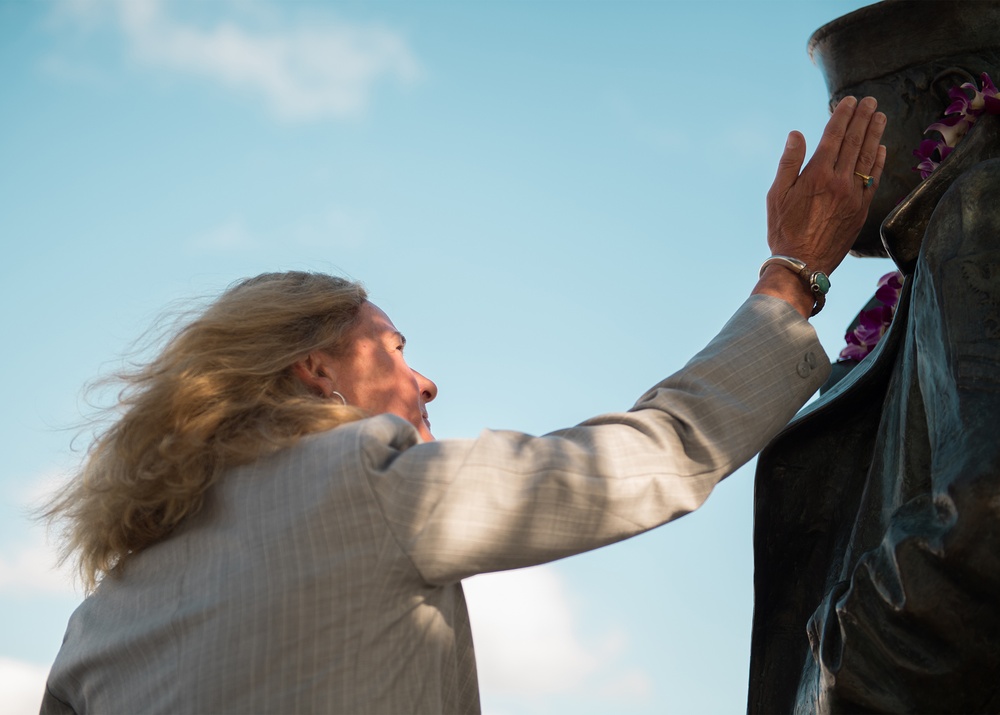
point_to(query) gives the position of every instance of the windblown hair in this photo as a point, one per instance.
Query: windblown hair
(221, 393)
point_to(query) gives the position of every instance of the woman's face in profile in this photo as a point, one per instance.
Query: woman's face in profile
(371, 372)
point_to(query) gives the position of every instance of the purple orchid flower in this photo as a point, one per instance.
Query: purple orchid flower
(926, 149)
(988, 86)
(961, 104)
(985, 96)
(889, 287)
(875, 322)
(925, 152)
(951, 128)
(872, 325)
(958, 118)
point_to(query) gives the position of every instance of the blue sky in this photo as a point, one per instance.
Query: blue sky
(558, 202)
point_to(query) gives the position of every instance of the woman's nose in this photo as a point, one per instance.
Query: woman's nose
(428, 390)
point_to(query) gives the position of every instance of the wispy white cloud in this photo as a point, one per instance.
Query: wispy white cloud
(529, 641)
(30, 568)
(29, 565)
(21, 686)
(320, 70)
(78, 73)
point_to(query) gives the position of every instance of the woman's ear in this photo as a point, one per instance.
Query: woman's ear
(316, 373)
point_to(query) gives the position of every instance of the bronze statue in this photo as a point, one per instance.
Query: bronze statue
(877, 510)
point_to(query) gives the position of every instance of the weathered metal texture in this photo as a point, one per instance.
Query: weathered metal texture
(907, 54)
(877, 511)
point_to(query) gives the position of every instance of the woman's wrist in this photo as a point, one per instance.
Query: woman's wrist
(816, 282)
(781, 283)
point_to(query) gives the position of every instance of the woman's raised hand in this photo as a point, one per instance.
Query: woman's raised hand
(814, 213)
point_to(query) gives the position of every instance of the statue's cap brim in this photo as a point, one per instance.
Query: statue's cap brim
(892, 35)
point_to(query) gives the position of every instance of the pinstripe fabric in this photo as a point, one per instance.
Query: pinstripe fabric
(326, 578)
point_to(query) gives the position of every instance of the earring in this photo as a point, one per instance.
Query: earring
(342, 400)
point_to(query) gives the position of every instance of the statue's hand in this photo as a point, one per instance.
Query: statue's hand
(815, 213)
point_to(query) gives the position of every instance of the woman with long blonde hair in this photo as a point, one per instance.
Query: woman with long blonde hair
(221, 393)
(270, 527)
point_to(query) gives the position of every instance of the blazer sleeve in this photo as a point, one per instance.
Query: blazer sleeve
(507, 500)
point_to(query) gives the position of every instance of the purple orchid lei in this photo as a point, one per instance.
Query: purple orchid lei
(873, 323)
(958, 118)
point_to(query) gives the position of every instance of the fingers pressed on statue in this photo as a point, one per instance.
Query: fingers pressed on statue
(854, 137)
(830, 143)
(870, 145)
(876, 170)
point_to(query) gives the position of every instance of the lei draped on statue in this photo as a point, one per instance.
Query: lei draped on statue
(968, 103)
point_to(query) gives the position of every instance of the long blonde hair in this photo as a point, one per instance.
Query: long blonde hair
(221, 393)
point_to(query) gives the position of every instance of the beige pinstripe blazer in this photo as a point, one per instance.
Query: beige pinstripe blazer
(326, 578)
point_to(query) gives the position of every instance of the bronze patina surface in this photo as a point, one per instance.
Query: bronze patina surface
(877, 510)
